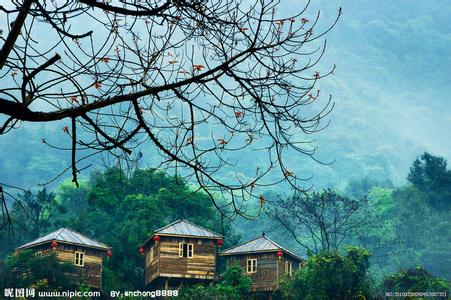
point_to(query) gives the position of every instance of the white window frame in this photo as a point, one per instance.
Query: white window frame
(189, 249)
(288, 268)
(38, 254)
(79, 259)
(251, 266)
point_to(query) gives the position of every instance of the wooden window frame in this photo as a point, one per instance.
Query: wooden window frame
(252, 263)
(80, 260)
(150, 256)
(189, 250)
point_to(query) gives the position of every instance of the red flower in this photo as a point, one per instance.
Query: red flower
(97, 84)
(288, 173)
(198, 67)
(222, 142)
(238, 114)
(104, 59)
(262, 200)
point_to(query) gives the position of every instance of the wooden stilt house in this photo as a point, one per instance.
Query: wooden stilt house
(181, 253)
(264, 261)
(72, 247)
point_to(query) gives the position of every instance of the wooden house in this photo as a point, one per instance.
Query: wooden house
(264, 261)
(72, 247)
(181, 253)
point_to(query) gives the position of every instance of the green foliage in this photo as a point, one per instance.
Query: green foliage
(33, 214)
(430, 176)
(361, 188)
(422, 232)
(232, 285)
(415, 279)
(414, 230)
(23, 270)
(330, 275)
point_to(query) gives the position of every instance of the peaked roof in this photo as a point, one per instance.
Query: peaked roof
(185, 228)
(66, 235)
(259, 244)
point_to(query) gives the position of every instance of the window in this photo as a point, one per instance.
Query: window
(251, 265)
(288, 267)
(150, 256)
(186, 250)
(79, 259)
(38, 254)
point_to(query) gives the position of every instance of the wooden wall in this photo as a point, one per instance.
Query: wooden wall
(167, 262)
(269, 269)
(152, 265)
(90, 274)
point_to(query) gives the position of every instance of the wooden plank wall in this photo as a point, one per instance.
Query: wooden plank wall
(266, 277)
(269, 269)
(151, 265)
(91, 273)
(168, 263)
(294, 263)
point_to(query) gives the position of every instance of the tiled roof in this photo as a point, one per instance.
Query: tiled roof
(260, 244)
(66, 235)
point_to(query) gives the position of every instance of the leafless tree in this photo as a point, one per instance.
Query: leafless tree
(199, 79)
(322, 221)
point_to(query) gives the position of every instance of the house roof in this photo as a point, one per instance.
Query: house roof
(184, 228)
(258, 245)
(68, 236)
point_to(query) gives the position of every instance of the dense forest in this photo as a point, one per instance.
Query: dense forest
(397, 249)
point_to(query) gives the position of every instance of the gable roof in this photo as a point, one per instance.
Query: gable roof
(68, 236)
(258, 245)
(185, 228)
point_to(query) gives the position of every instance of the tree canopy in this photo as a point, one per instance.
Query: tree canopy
(330, 275)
